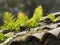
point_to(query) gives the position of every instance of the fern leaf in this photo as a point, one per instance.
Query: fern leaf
(33, 22)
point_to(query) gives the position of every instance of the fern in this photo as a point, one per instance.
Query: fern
(9, 22)
(2, 37)
(33, 22)
(38, 13)
(22, 18)
(21, 21)
(51, 17)
(8, 19)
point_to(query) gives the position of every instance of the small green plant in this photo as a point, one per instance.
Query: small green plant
(13, 24)
(22, 18)
(21, 21)
(51, 17)
(9, 22)
(2, 37)
(33, 22)
(8, 19)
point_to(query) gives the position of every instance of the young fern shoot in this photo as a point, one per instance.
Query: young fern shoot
(8, 20)
(22, 18)
(51, 17)
(38, 13)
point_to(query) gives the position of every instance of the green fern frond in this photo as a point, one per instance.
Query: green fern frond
(51, 17)
(22, 18)
(38, 13)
